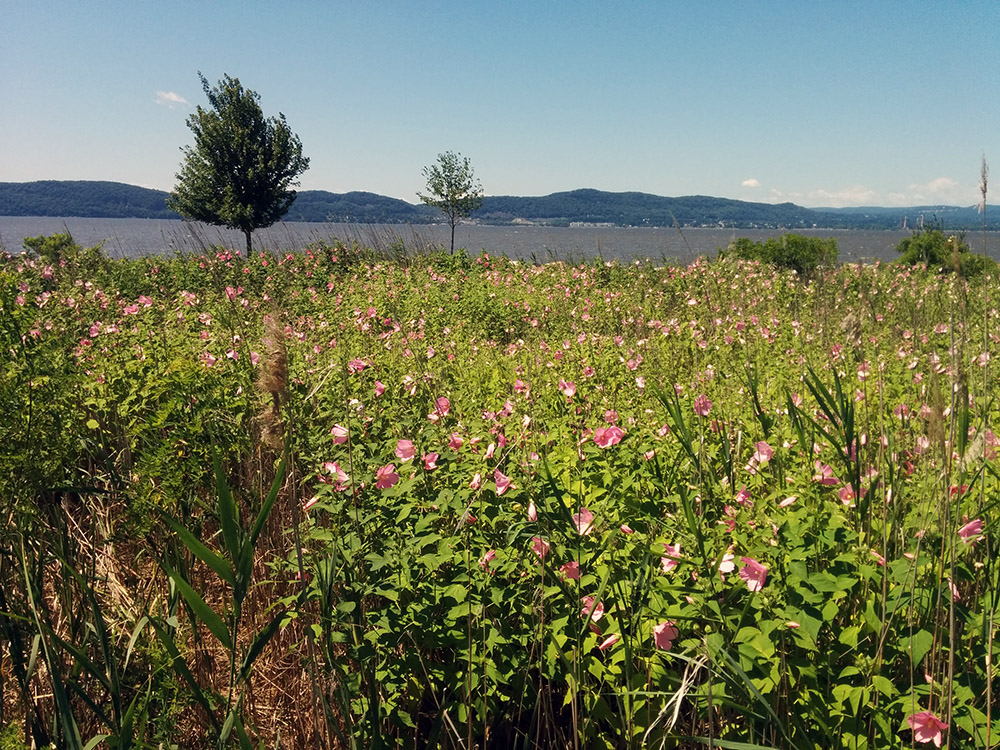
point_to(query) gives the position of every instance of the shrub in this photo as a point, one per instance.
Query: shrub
(932, 248)
(790, 251)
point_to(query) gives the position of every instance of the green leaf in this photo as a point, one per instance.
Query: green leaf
(259, 642)
(216, 562)
(265, 510)
(918, 645)
(181, 669)
(228, 514)
(206, 614)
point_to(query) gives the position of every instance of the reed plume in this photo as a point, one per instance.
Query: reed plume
(273, 382)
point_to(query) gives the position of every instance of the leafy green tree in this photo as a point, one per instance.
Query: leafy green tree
(795, 251)
(453, 188)
(951, 254)
(241, 168)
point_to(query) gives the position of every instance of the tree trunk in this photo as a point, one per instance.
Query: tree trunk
(248, 233)
(452, 236)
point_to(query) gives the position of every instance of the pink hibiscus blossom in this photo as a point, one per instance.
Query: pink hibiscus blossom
(430, 461)
(592, 608)
(405, 450)
(571, 570)
(502, 481)
(386, 477)
(339, 433)
(971, 530)
(824, 474)
(608, 642)
(763, 453)
(540, 547)
(583, 521)
(665, 634)
(605, 437)
(532, 511)
(926, 727)
(484, 561)
(669, 561)
(568, 389)
(702, 406)
(753, 573)
(338, 474)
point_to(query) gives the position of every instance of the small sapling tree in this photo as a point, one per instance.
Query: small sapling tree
(453, 188)
(241, 169)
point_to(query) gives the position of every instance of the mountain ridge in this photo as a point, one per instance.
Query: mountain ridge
(583, 206)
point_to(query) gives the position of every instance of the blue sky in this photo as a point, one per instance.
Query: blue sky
(818, 103)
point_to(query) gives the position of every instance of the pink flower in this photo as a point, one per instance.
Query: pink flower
(626, 529)
(455, 441)
(753, 573)
(583, 521)
(926, 727)
(356, 365)
(532, 511)
(702, 406)
(665, 634)
(477, 482)
(430, 461)
(608, 642)
(490, 450)
(339, 434)
(339, 474)
(592, 608)
(501, 481)
(379, 388)
(484, 561)
(669, 561)
(605, 437)
(405, 450)
(824, 474)
(743, 497)
(764, 453)
(386, 477)
(971, 530)
(442, 405)
(726, 565)
(540, 547)
(846, 495)
(788, 501)
(571, 570)
(568, 389)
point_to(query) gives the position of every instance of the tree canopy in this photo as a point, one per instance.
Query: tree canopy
(453, 188)
(242, 166)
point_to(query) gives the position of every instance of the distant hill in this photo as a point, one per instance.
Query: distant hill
(585, 206)
(104, 200)
(357, 208)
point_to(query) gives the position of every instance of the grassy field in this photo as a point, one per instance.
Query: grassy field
(324, 499)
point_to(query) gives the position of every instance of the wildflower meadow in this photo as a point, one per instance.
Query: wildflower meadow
(331, 499)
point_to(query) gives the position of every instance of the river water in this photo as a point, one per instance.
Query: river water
(136, 237)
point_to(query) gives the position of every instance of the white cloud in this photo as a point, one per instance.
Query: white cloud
(752, 182)
(855, 195)
(939, 191)
(169, 99)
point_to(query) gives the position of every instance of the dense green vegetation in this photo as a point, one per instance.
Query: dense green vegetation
(627, 209)
(804, 255)
(323, 499)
